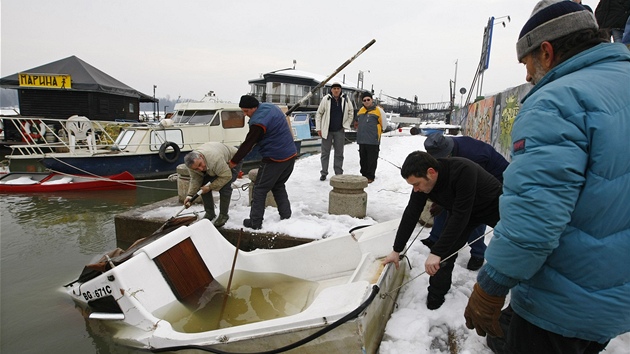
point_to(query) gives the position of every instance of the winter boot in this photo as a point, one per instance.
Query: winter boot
(221, 220)
(224, 207)
(208, 206)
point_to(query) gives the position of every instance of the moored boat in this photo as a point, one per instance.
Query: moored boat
(40, 182)
(79, 145)
(176, 292)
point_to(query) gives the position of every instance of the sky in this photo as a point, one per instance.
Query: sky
(190, 47)
(412, 328)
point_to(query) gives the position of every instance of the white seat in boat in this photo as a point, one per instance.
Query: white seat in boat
(81, 130)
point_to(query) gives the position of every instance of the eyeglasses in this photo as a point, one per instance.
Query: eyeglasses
(367, 100)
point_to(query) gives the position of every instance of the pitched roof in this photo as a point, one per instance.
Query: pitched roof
(85, 77)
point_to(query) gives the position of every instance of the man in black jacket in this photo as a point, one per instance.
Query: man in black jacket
(466, 190)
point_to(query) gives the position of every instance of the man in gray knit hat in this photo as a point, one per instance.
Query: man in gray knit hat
(561, 248)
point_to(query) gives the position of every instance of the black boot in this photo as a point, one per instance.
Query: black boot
(208, 206)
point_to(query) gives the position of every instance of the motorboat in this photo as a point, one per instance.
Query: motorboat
(190, 288)
(40, 182)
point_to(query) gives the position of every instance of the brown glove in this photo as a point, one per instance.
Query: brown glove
(483, 311)
(435, 209)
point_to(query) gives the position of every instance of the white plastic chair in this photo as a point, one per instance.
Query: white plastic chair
(81, 129)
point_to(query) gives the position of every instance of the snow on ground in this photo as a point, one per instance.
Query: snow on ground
(412, 328)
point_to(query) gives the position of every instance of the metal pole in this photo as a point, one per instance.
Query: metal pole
(321, 84)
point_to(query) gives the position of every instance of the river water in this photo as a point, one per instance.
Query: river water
(45, 239)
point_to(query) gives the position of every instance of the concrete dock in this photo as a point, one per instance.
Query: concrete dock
(134, 224)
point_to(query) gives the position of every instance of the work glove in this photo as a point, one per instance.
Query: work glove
(435, 209)
(483, 311)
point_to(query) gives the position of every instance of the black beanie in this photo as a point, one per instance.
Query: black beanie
(248, 101)
(366, 94)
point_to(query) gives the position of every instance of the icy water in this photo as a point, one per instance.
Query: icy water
(45, 239)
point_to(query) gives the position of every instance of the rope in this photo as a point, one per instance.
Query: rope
(125, 182)
(442, 261)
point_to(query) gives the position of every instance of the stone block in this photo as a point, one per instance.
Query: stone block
(348, 196)
(269, 201)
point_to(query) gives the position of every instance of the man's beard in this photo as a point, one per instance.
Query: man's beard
(539, 72)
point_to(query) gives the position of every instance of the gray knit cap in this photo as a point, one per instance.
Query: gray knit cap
(552, 19)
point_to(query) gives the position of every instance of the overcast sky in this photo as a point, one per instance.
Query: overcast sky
(189, 47)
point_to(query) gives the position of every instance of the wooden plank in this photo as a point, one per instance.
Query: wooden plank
(184, 270)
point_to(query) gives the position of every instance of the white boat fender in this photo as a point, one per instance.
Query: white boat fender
(176, 151)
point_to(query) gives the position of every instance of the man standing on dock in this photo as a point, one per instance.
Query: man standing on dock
(467, 191)
(439, 146)
(270, 131)
(334, 114)
(210, 163)
(561, 247)
(369, 127)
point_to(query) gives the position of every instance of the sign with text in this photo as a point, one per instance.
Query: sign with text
(45, 80)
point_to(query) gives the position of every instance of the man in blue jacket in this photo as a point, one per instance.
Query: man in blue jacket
(269, 129)
(562, 247)
(439, 146)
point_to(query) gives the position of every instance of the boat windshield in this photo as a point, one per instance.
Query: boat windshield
(195, 117)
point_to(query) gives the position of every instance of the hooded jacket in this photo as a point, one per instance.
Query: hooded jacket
(564, 235)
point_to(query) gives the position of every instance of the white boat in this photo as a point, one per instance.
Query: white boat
(327, 296)
(81, 146)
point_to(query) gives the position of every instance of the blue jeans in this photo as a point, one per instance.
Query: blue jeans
(477, 249)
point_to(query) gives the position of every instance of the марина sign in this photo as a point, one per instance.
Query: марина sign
(44, 80)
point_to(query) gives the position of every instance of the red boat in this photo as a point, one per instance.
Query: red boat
(25, 182)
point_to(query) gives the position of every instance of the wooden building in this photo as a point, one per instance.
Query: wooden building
(71, 86)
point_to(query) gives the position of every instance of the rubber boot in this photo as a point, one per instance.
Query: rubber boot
(224, 206)
(208, 205)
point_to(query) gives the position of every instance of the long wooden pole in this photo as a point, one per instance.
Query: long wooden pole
(321, 84)
(229, 285)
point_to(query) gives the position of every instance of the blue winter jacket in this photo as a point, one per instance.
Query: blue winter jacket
(564, 234)
(277, 143)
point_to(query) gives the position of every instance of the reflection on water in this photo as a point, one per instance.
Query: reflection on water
(45, 240)
(253, 297)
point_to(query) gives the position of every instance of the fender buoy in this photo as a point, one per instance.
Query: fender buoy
(175, 154)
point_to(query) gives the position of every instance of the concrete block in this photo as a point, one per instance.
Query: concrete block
(348, 196)
(269, 201)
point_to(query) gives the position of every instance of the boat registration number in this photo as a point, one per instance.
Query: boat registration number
(100, 292)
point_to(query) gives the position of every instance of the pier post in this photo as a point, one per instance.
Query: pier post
(269, 201)
(348, 196)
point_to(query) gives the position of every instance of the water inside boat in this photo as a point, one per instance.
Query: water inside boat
(253, 297)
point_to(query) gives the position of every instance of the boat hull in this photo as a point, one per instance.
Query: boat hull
(54, 182)
(347, 270)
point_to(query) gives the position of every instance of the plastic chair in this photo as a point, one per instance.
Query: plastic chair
(80, 129)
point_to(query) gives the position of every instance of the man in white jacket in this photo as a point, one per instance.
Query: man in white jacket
(334, 115)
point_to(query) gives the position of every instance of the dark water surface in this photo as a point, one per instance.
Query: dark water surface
(45, 239)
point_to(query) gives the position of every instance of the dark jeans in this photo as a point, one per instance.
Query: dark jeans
(477, 249)
(522, 337)
(272, 176)
(368, 157)
(440, 283)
